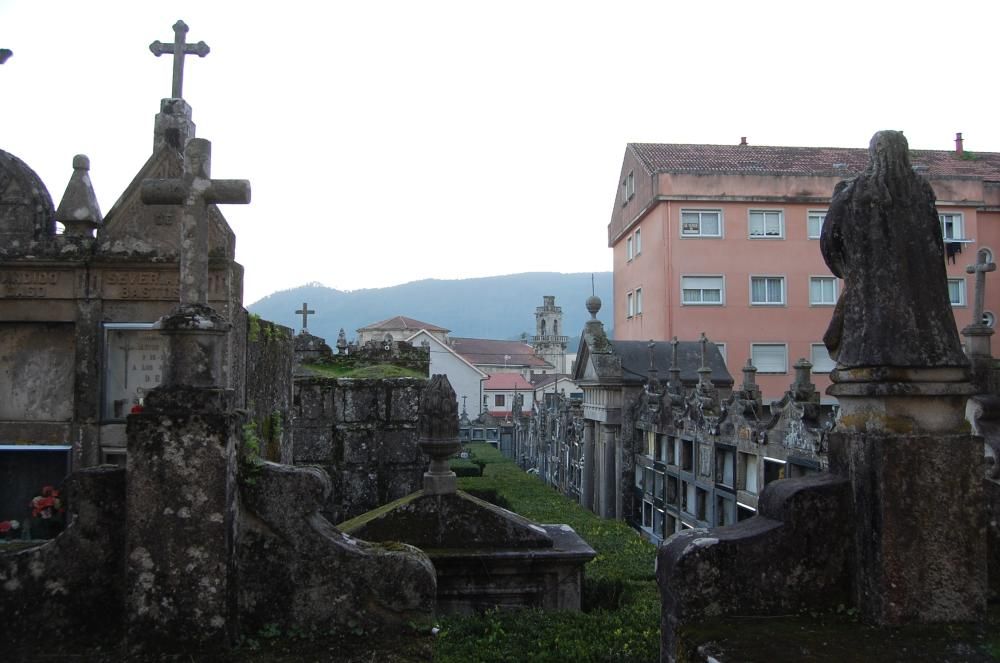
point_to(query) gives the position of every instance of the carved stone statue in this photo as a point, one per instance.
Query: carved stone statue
(883, 237)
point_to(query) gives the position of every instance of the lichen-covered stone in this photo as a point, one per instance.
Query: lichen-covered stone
(297, 571)
(794, 555)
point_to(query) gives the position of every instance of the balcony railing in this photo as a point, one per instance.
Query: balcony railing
(549, 338)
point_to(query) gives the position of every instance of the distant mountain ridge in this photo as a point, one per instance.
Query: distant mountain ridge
(499, 307)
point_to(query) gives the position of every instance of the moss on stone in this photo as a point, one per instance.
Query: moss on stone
(377, 371)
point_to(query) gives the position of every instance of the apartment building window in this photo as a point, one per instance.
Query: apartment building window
(638, 301)
(814, 223)
(956, 292)
(767, 290)
(638, 241)
(701, 290)
(628, 249)
(628, 187)
(989, 319)
(701, 223)
(820, 358)
(722, 351)
(822, 290)
(500, 400)
(769, 357)
(630, 304)
(767, 223)
(951, 226)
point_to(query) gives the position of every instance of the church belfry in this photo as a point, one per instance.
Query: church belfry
(548, 342)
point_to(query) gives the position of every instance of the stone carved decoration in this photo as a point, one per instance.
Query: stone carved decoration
(179, 48)
(883, 237)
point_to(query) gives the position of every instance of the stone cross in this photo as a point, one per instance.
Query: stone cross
(195, 191)
(179, 49)
(305, 312)
(980, 269)
(5, 54)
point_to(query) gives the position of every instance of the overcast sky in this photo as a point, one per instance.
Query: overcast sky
(392, 141)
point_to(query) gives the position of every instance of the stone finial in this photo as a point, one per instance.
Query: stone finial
(78, 211)
(341, 342)
(438, 426)
(305, 312)
(653, 373)
(674, 382)
(178, 48)
(883, 237)
(749, 376)
(593, 306)
(802, 387)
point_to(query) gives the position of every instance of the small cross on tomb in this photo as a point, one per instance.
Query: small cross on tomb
(179, 49)
(305, 312)
(982, 266)
(195, 191)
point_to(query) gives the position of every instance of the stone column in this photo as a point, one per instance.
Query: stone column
(589, 467)
(917, 482)
(180, 514)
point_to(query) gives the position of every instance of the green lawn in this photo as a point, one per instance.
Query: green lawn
(377, 371)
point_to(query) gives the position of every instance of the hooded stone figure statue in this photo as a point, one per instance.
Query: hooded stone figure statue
(883, 238)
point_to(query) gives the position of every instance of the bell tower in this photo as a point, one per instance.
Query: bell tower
(549, 342)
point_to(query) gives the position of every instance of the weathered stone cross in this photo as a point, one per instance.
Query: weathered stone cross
(179, 50)
(305, 312)
(979, 269)
(195, 191)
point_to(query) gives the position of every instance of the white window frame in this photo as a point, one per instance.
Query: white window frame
(722, 351)
(628, 249)
(629, 305)
(957, 221)
(638, 301)
(766, 371)
(989, 319)
(722, 289)
(817, 367)
(638, 241)
(767, 277)
(810, 215)
(763, 234)
(814, 302)
(961, 292)
(699, 212)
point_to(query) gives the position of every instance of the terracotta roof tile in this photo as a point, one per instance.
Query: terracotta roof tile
(404, 323)
(819, 161)
(507, 382)
(488, 352)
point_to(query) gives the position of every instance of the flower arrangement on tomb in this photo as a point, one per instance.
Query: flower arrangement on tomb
(47, 505)
(9, 529)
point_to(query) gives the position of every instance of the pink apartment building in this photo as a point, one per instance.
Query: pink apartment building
(725, 240)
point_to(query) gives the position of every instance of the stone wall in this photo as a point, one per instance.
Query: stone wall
(270, 361)
(364, 434)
